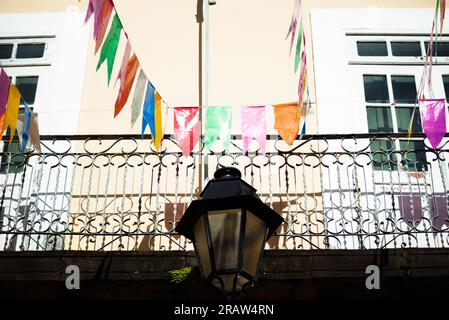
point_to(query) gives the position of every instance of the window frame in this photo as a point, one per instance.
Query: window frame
(353, 37)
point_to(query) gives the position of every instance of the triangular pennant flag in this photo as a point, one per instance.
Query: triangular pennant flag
(148, 109)
(106, 12)
(294, 23)
(298, 46)
(218, 124)
(157, 134)
(109, 49)
(136, 104)
(442, 14)
(95, 7)
(125, 61)
(254, 126)
(433, 120)
(126, 85)
(287, 121)
(12, 112)
(187, 128)
(90, 11)
(4, 91)
(24, 131)
(34, 132)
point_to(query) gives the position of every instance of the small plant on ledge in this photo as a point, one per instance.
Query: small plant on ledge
(181, 275)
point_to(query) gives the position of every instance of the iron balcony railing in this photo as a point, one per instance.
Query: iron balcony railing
(115, 193)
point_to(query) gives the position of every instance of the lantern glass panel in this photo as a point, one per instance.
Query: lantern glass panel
(199, 231)
(225, 233)
(253, 244)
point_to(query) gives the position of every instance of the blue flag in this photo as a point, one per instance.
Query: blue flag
(148, 109)
(26, 126)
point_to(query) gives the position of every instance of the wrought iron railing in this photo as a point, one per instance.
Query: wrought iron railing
(334, 191)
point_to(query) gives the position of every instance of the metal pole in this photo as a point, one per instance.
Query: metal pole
(200, 21)
(206, 79)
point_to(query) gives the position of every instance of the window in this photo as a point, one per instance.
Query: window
(373, 49)
(24, 59)
(390, 101)
(440, 49)
(406, 49)
(379, 119)
(27, 87)
(394, 49)
(6, 51)
(446, 86)
(30, 50)
(404, 89)
(376, 89)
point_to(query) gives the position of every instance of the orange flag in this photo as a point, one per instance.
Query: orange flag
(286, 121)
(106, 12)
(12, 112)
(125, 86)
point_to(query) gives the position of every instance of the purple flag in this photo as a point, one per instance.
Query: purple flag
(433, 119)
(4, 91)
(410, 208)
(254, 126)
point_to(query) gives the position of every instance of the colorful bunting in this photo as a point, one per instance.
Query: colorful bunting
(126, 85)
(26, 120)
(148, 109)
(109, 49)
(12, 112)
(218, 124)
(253, 126)
(294, 23)
(298, 46)
(90, 11)
(187, 128)
(157, 134)
(106, 12)
(302, 85)
(433, 119)
(95, 7)
(287, 121)
(136, 104)
(124, 65)
(4, 91)
(34, 132)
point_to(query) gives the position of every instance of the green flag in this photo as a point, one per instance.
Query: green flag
(298, 47)
(218, 124)
(110, 45)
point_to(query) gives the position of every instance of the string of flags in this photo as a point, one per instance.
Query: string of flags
(25, 124)
(432, 111)
(147, 101)
(303, 107)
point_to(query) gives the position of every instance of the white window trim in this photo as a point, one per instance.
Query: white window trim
(354, 59)
(16, 40)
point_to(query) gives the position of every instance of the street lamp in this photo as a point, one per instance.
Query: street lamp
(229, 227)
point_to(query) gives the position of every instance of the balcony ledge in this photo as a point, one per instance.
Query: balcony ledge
(287, 274)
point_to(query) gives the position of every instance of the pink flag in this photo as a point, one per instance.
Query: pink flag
(90, 11)
(433, 119)
(254, 126)
(125, 60)
(95, 7)
(187, 128)
(4, 91)
(294, 23)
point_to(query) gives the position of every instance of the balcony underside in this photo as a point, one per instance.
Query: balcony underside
(287, 275)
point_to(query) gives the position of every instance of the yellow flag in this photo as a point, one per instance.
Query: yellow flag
(158, 120)
(12, 112)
